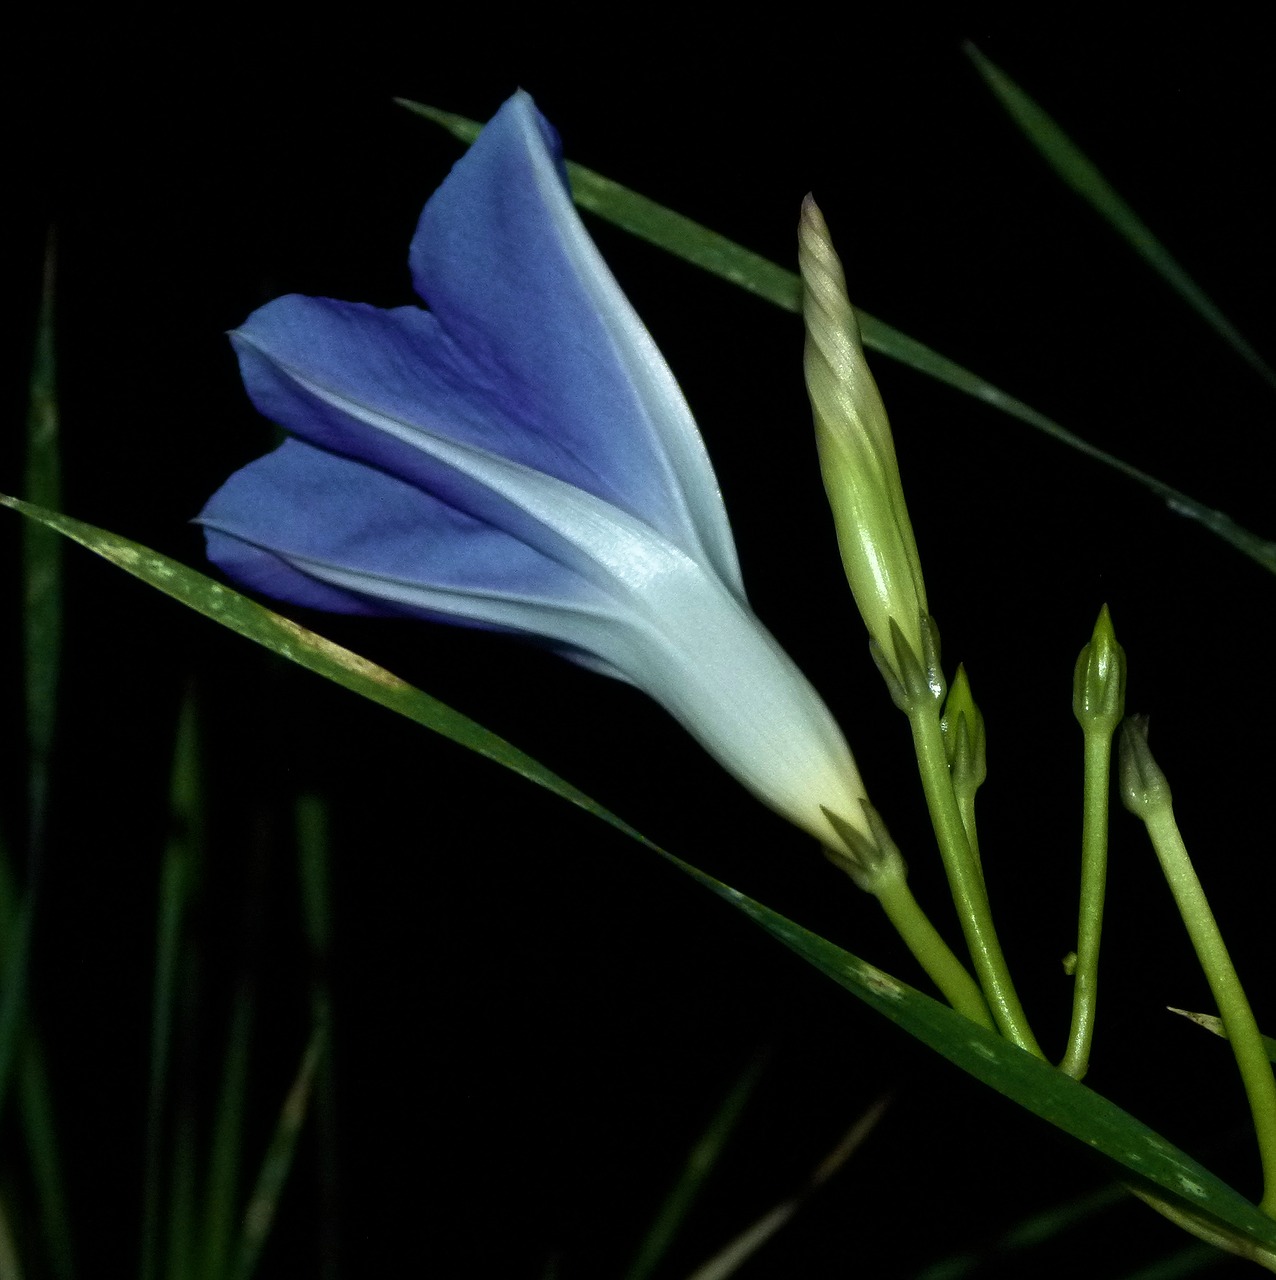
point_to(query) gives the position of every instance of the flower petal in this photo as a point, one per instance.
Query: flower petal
(325, 532)
(556, 333)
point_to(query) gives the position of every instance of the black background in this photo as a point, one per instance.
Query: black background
(533, 1016)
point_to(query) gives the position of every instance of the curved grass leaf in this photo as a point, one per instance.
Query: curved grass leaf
(259, 1217)
(309, 650)
(700, 1163)
(732, 1256)
(1072, 165)
(697, 244)
(1158, 1171)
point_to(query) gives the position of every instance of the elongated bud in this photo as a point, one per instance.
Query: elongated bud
(857, 454)
(1098, 684)
(1144, 787)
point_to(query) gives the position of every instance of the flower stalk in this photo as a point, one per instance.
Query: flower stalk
(1098, 702)
(965, 876)
(1146, 793)
(876, 865)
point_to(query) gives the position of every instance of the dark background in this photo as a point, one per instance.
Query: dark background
(534, 1017)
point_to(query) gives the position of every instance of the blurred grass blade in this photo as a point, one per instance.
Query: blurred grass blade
(221, 1195)
(15, 949)
(20, 1048)
(1211, 1023)
(177, 873)
(697, 244)
(1033, 1231)
(1074, 168)
(730, 1259)
(700, 1163)
(46, 1168)
(1187, 1262)
(260, 1214)
(313, 873)
(310, 650)
(10, 1267)
(1025, 1079)
(180, 1229)
(41, 638)
(42, 558)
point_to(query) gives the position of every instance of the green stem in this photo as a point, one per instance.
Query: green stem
(930, 950)
(965, 879)
(1229, 995)
(1094, 874)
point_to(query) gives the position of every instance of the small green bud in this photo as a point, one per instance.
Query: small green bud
(1098, 684)
(872, 860)
(1143, 786)
(857, 453)
(963, 727)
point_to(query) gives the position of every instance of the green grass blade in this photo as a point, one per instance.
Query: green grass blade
(728, 1260)
(1187, 1262)
(10, 1265)
(1072, 165)
(310, 650)
(313, 847)
(697, 244)
(42, 557)
(180, 1229)
(221, 1195)
(700, 1163)
(1035, 1230)
(176, 874)
(42, 629)
(15, 947)
(36, 1106)
(20, 1047)
(1020, 1076)
(260, 1214)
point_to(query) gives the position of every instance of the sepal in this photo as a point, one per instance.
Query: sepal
(871, 860)
(1144, 788)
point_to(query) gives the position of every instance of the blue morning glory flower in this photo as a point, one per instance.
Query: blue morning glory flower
(519, 457)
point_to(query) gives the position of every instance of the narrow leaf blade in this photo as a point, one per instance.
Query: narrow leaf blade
(1075, 168)
(310, 650)
(1170, 1175)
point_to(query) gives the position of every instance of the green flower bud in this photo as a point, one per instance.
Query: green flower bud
(964, 745)
(857, 454)
(1098, 684)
